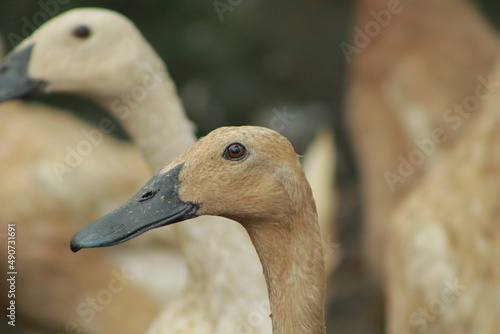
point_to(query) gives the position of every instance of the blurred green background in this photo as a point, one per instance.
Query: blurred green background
(238, 68)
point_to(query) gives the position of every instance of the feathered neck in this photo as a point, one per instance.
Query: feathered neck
(153, 116)
(292, 258)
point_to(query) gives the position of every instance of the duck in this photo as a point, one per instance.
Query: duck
(45, 209)
(405, 76)
(43, 204)
(445, 277)
(250, 175)
(103, 57)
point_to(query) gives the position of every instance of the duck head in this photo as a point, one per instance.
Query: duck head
(248, 174)
(91, 52)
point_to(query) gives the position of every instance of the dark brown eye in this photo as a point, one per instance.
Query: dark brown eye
(81, 32)
(235, 151)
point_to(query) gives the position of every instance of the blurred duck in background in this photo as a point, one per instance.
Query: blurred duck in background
(444, 239)
(52, 290)
(411, 79)
(103, 57)
(319, 163)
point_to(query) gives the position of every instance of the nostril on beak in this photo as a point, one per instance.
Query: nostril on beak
(148, 195)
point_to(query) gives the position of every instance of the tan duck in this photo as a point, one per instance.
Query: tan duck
(444, 240)
(251, 175)
(426, 57)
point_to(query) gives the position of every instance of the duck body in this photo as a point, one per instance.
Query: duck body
(406, 87)
(447, 235)
(47, 204)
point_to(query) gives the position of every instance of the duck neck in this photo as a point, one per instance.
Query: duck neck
(292, 259)
(153, 116)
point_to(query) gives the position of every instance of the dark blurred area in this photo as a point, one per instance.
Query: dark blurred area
(228, 65)
(236, 68)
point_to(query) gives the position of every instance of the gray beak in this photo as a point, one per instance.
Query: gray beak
(14, 80)
(156, 204)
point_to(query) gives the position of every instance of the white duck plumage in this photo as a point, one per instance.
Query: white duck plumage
(52, 285)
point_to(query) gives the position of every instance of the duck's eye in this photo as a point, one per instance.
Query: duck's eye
(81, 32)
(235, 151)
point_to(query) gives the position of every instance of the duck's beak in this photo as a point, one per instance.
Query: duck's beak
(14, 79)
(156, 204)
